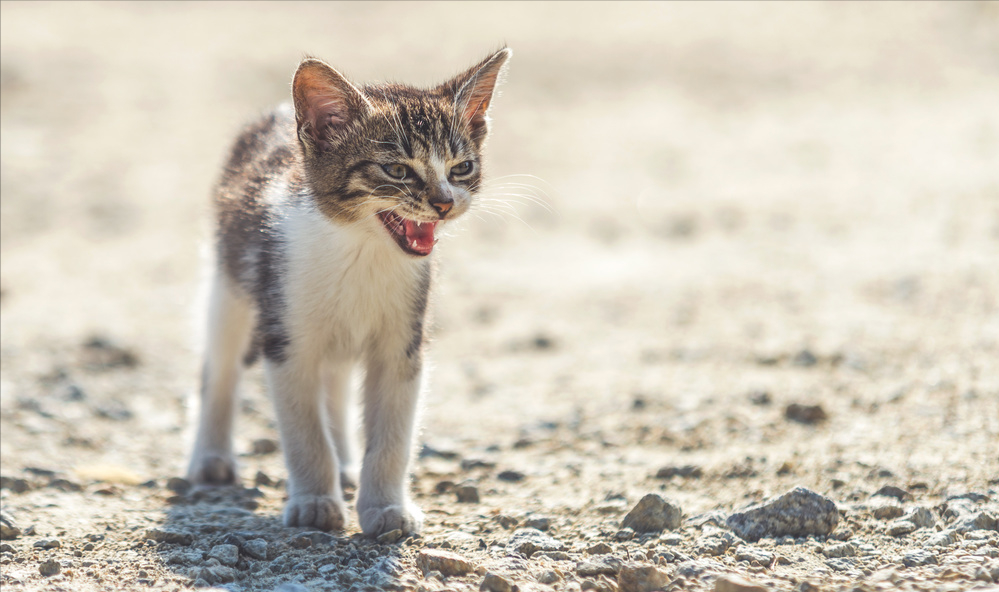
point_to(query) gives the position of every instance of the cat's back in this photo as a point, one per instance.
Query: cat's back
(263, 153)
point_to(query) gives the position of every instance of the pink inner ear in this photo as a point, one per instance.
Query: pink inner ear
(321, 101)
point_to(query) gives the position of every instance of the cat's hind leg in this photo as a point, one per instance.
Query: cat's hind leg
(336, 384)
(230, 324)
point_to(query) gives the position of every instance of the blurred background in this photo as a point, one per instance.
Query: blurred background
(686, 198)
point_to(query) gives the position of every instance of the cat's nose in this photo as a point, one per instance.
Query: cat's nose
(442, 204)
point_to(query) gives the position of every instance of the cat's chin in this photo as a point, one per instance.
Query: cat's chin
(413, 237)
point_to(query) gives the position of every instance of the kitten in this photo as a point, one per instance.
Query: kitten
(327, 217)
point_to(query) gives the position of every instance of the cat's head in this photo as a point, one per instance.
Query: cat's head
(403, 157)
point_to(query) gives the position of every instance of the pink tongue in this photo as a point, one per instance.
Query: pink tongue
(422, 233)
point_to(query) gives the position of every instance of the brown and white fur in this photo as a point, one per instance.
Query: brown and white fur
(327, 212)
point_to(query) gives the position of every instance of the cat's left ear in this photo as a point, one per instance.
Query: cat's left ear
(474, 90)
(325, 103)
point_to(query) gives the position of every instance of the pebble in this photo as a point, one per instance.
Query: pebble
(466, 493)
(887, 510)
(47, 544)
(799, 512)
(895, 492)
(804, 358)
(601, 564)
(495, 583)
(538, 523)
(900, 528)
(168, 536)
(806, 414)
(712, 545)
(446, 562)
(15, 484)
(226, 554)
(732, 583)
(510, 476)
(691, 471)
(943, 538)
(390, 537)
(178, 485)
(695, 568)
(49, 567)
(840, 550)
(919, 557)
(528, 541)
(920, 516)
(976, 521)
(599, 549)
(291, 587)
(263, 446)
(640, 578)
(653, 514)
(8, 528)
(5, 548)
(751, 554)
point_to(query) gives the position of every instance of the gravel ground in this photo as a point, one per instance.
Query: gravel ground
(748, 339)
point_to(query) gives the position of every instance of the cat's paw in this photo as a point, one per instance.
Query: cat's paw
(212, 469)
(320, 511)
(377, 521)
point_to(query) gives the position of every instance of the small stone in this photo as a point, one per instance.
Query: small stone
(8, 528)
(291, 587)
(49, 567)
(528, 541)
(806, 414)
(301, 541)
(625, 534)
(262, 479)
(842, 563)
(895, 492)
(976, 521)
(226, 554)
(256, 548)
(921, 517)
(65, 485)
(262, 446)
(390, 537)
(511, 476)
(839, 550)
(168, 536)
(919, 557)
(901, 528)
(549, 577)
(466, 493)
(686, 471)
(447, 563)
(15, 484)
(944, 538)
(496, 583)
(600, 564)
(540, 523)
(887, 511)
(47, 544)
(713, 545)
(653, 514)
(640, 578)
(468, 464)
(733, 583)
(184, 558)
(599, 549)
(754, 555)
(5, 548)
(799, 512)
(178, 485)
(805, 358)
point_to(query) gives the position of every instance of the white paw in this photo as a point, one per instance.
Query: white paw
(379, 520)
(320, 511)
(212, 469)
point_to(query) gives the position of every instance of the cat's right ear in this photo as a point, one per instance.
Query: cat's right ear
(325, 103)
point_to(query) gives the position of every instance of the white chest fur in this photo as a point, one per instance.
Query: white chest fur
(345, 288)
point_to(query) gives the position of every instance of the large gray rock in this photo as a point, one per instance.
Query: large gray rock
(653, 514)
(799, 512)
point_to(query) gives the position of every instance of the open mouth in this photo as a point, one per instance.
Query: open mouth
(415, 238)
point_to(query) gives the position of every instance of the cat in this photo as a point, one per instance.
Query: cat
(328, 211)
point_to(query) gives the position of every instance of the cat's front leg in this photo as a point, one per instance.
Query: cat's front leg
(391, 393)
(314, 496)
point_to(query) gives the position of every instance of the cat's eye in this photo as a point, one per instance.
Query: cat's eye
(462, 169)
(396, 170)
